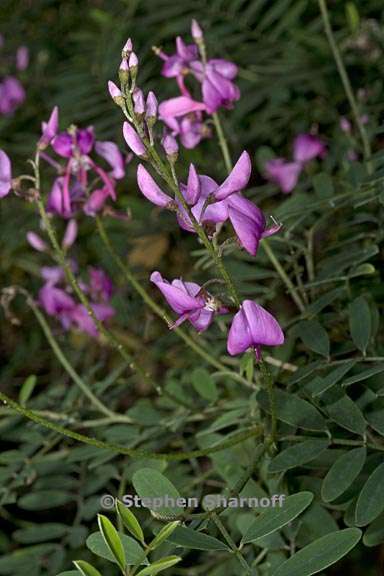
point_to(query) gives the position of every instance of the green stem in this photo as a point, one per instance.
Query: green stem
(284, 277)
(67, 366)
(268, 381)
(231, 543)
(120, 449)
(222, 142)
(347, 84)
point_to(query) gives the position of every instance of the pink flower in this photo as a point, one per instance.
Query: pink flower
(284, 174)
(307, 147)
(253, 327)
(5, 174)
(12, 95)
(49, 129)
(189, 301)
(22, 58)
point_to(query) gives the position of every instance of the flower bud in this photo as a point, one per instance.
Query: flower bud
(138, 102)
(133, 65)
(115, 93)
(36, 242)
(70, 234)
(171, 147)
(124, 72)
(133, 140)
(196, 31)
(151, 109)
(127, 48)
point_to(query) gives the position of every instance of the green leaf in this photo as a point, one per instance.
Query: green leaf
(275, 518)
(293, 410)
(112, 540)
(342, 473)
(26, 389)
(44, 499)
(374, 535)
(163, 534)
(364, 374)
(151, 484)
(85, 568)
(344, 411)
(320, 554)
(40, 533)
(204, 384)
(129, 520)
(370, 502)
(314, 336)
(69, 573)
(360, 324)
(319, 385)
(133, 551)
(298, 454)
(159, 566)
(188, 538)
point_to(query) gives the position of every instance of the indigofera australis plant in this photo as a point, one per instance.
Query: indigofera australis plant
(84, 173)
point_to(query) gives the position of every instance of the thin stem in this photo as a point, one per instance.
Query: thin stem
(284, 277)
(222, 142)
(231, 543)
(120, 449)
(347, 85)
(268, 380)
(66, 364)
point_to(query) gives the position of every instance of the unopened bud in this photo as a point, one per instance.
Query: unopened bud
(124, 72)
(127, 48)
(133, 140)
(115, 93)
(196, 31)
(171, 147)
(151, 109)
(138, 102)
(36, 242)
(70, 234)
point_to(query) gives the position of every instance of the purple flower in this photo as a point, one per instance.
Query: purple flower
(82, 320)
(216, 77)
(22, 58)
(284, 174)
(70, 234)
(56, 302)
(100, 285)
(12, 95)
(5, 174)
(190, 128)
(133, 140)
(49, 129)
(111, 153)
(177, 64)
(36, 242)
(151, 190)
(179, 106)
(96, 201)
(253, 327)
(189, 301)
(151, 107)
(249, 223)
(307, 147)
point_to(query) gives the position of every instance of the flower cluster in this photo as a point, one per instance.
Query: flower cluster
(56, 299)
(71, 189)
(286, 173)
(183, 115)
(201, 204)
(12, 93)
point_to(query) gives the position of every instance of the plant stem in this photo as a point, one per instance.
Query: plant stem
(268, 380)
(231, 543)
(222, 141)
(347, 84)
(284, 277)
(120, 449)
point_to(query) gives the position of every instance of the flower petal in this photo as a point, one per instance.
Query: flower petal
(150, 189)
(264, 328)
(5, 174)
(111, 153)
(237, 179)
(239, 336)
